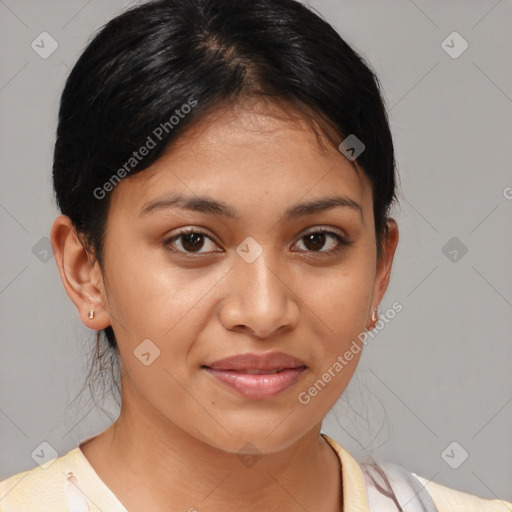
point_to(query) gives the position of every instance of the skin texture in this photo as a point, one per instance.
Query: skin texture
(180, 430)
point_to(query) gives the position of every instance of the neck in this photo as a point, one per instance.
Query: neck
(148, 462)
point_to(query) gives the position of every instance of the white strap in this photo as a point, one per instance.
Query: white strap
(392, 488)
(75, 498)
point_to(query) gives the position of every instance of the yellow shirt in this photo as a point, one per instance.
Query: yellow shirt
(50, 489)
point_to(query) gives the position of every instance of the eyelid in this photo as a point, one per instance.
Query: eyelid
(326, 229)
(186, 231)
(342, 239)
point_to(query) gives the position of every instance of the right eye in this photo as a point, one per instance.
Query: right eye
(191, 240)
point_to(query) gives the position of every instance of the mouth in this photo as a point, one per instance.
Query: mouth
(257, 377)
(257, 371)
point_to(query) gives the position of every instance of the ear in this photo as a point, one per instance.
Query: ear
(384, 265)
(80, 274)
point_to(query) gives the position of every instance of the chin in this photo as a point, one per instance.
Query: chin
(257, 439)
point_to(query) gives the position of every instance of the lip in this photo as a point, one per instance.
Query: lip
(258, 377)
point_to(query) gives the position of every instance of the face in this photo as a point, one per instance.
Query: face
(243, 263)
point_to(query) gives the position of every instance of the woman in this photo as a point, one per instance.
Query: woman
(225, 173)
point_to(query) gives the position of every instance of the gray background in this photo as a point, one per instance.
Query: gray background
(439, 372)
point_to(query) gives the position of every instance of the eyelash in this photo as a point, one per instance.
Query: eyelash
(342, 242)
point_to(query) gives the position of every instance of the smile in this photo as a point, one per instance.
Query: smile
(258, 384)
(257, 376)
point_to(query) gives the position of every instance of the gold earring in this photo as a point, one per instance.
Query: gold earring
(91, 314)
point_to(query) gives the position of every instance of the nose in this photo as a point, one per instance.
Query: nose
(261, 298)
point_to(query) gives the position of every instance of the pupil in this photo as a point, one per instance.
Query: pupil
(317, 239)
(194, 241)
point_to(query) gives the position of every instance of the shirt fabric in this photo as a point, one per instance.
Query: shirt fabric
(70, 484)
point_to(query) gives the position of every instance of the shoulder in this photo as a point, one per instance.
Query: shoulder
(452, 500)
(421, 494)
(40, 489)
(384, 486)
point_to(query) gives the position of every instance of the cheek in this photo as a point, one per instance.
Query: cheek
(158, 314)
(339, 320)
(342, 298)
(148, 295)
(338, 312)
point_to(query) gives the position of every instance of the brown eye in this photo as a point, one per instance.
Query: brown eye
(316, 240)
(190, 241)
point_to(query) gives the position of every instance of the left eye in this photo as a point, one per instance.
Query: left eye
(315, 240)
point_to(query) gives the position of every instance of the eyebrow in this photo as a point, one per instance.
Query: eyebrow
(212, 206)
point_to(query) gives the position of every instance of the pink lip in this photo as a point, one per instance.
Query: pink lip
(236, 372)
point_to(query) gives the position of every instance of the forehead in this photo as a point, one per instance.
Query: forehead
(248, 149)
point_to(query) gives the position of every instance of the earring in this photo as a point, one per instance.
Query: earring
(375, 314)
(91, 314)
